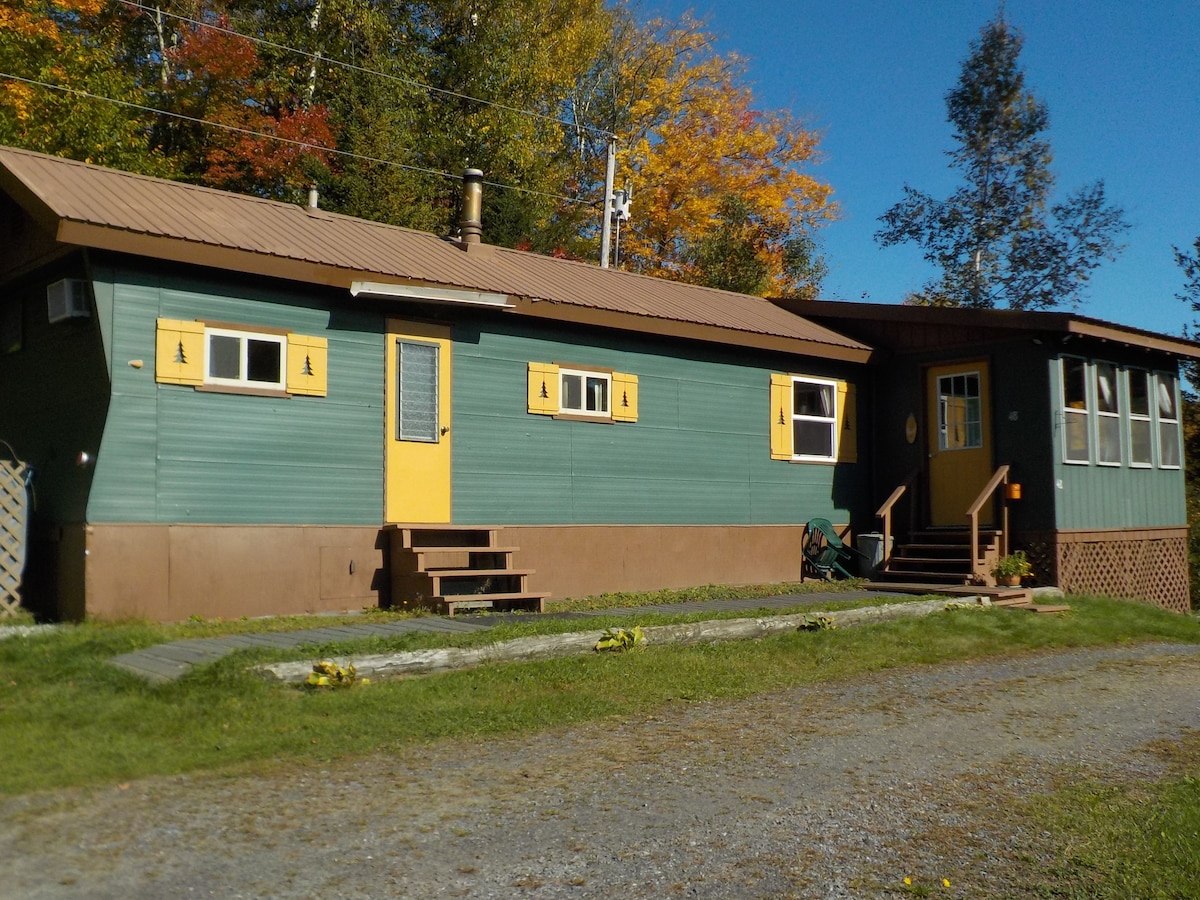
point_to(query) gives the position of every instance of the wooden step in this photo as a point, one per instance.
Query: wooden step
(527, 601)
(459, 582)
(929, 577)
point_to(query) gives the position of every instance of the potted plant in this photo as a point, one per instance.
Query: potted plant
(1009, 570)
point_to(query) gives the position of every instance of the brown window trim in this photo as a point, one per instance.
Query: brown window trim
(575, 368)
(575, 417)
(231, 389)
(252, 329)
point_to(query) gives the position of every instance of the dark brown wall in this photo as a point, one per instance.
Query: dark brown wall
(581, 560)
(169, 572)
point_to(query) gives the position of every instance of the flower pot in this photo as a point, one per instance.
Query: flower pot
(1009, 580)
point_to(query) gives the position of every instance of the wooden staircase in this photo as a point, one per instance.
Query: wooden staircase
(941, 556)
(447, 569)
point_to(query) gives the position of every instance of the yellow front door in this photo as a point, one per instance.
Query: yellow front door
(417, 421)
(960, 441)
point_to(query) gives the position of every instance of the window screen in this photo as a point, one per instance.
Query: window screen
(417, 391)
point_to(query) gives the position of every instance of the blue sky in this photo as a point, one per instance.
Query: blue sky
(1121, 79)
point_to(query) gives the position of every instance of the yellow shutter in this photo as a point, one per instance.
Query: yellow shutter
(179, 352)
(781, 416)
(625, 397)
(847, 422)
(543, 389)
(307, 361)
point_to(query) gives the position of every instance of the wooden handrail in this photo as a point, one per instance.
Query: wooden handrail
(998, 478)
(885, 512)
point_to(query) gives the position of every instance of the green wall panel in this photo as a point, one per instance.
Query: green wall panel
(698, 454)
(175, 454)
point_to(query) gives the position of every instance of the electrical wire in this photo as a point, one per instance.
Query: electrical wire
(317, 57)
(275, 137)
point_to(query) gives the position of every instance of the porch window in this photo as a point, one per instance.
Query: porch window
(1108, 415)
(1167, 398)
(1141, 434)
(814, 419)
(1076, 418)
(960, 412)
(417, 392)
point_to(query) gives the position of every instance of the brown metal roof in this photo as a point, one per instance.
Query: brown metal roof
(874, 321)
(104, 208)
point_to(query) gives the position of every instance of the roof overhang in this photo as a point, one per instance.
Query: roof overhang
(835, 313)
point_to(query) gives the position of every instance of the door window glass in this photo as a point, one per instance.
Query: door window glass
(960, 412)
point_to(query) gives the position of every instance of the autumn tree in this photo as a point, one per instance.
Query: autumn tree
(722, 191)
(237, 129)
(999, 240)
(70, 45)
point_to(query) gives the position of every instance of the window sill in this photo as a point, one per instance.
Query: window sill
(576, 417)
(250, 391)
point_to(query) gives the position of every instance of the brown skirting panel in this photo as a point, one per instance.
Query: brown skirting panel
(584, 560)
(169, 572)
(1147, 564)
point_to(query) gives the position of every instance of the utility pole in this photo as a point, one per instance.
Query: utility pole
(610, 173)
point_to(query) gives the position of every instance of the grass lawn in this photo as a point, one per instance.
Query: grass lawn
(70, 719)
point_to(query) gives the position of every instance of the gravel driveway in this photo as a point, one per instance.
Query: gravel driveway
(835, 791)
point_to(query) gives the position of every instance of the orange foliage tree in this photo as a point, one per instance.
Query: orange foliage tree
(218, 78)
(723, 192)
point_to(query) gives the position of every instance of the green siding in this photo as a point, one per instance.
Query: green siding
(175, 454)
(1102, 497)
(698, 454)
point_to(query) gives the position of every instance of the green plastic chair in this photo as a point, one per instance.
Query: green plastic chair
(826, 555)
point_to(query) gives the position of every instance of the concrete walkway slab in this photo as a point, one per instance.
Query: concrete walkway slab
(170, 661)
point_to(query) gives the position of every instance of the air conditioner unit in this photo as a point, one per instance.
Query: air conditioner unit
(67, 299)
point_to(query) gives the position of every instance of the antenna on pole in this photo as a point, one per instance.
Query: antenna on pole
(610, 173)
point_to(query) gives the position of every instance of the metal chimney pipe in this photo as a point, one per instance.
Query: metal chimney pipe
(471, 224)
(312, 197)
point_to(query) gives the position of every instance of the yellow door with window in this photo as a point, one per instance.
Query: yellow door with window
(417, 421)
(960, 441)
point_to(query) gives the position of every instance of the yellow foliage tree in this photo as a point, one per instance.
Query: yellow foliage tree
(710, 174)
(71, 46)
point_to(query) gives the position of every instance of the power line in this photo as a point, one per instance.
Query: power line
(275, 137)
(316, 57)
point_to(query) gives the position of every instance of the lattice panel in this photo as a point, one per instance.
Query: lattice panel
(1154, 570)
(14, 520)
(1041, 556)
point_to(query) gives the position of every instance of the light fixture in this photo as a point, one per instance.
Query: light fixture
(431, 294)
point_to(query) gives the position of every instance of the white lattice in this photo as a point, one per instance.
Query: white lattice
(14, 521)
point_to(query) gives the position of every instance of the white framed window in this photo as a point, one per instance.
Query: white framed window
(245, 359)
(1076, 411)
(814, 419)
(1166, 395)
(1141, 424)
(584, 393)
(960, 412)
(1108, 414)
